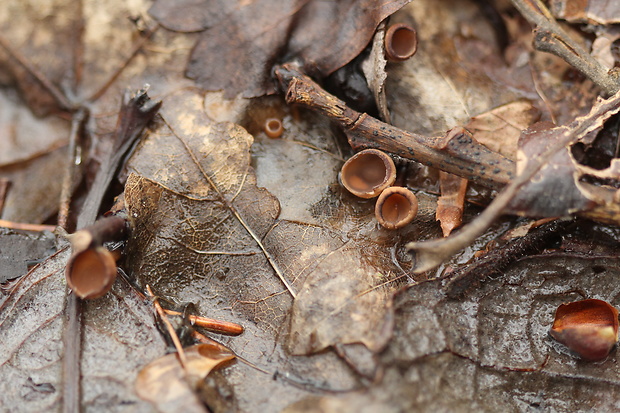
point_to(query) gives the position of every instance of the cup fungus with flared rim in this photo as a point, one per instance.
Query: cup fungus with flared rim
(401, 42)
(367, 173)
(91, 272)
(589, 328)
(273, 128)
(396, 207)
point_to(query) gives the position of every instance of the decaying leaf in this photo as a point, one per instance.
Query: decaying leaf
(586, 11)
(243, 40)
(170, 386)
(490, 350)
(374, 71)
(217, 264)
(499, 128)
(563, 186)
(450, 204)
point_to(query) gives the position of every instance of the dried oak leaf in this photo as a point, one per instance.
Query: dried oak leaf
(243, 40)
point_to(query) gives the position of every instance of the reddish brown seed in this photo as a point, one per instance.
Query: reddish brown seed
(401, 42)
(273, 128)
(368, 172)
(91, 273)
(588, 327)
(396, 207)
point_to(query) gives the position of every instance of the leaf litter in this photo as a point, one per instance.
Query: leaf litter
(207, 232)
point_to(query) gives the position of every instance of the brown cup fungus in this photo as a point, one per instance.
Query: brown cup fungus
(589, 328)
(91, 272)
(396, 207)
(273, 128)
(401, 42)
(368, 172)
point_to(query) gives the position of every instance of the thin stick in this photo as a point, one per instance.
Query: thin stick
(69, 178)
(71, 390)
(4, 189)
(430, 254)
(171, 332)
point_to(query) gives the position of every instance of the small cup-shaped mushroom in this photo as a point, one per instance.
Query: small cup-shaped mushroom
(368, 172)
(396, 207)
(401, 42)
(91, 272)
(273, 128)
(589, 328)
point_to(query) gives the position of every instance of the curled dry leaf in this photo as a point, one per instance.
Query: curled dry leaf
(563, 186)
(587, 327)
(166, 384)
(239, 47)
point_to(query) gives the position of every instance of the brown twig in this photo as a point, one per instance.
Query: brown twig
(5, 184)
(173, 335)
(457, 152)
(551, 38)
(430, 254)
(70, 179)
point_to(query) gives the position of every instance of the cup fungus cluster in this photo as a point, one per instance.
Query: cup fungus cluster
(371, 173)
(589, 328)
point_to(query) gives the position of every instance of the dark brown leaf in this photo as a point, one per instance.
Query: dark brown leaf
(245, 39)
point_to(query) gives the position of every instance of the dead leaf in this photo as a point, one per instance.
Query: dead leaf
(561, 186)
(586, 11)
(31, 325)
(472, 353)
(374, 71)
(450, 204)
(499, 129)
(247, 39)
(165, 383)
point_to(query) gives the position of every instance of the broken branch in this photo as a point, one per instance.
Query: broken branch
(458, 152)
(551, 38)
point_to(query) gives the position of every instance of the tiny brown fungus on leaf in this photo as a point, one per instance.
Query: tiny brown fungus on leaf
(273, 128)
(588, 327)
(401, 42)
(367, 173)
(396, 207)
(91, 273)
